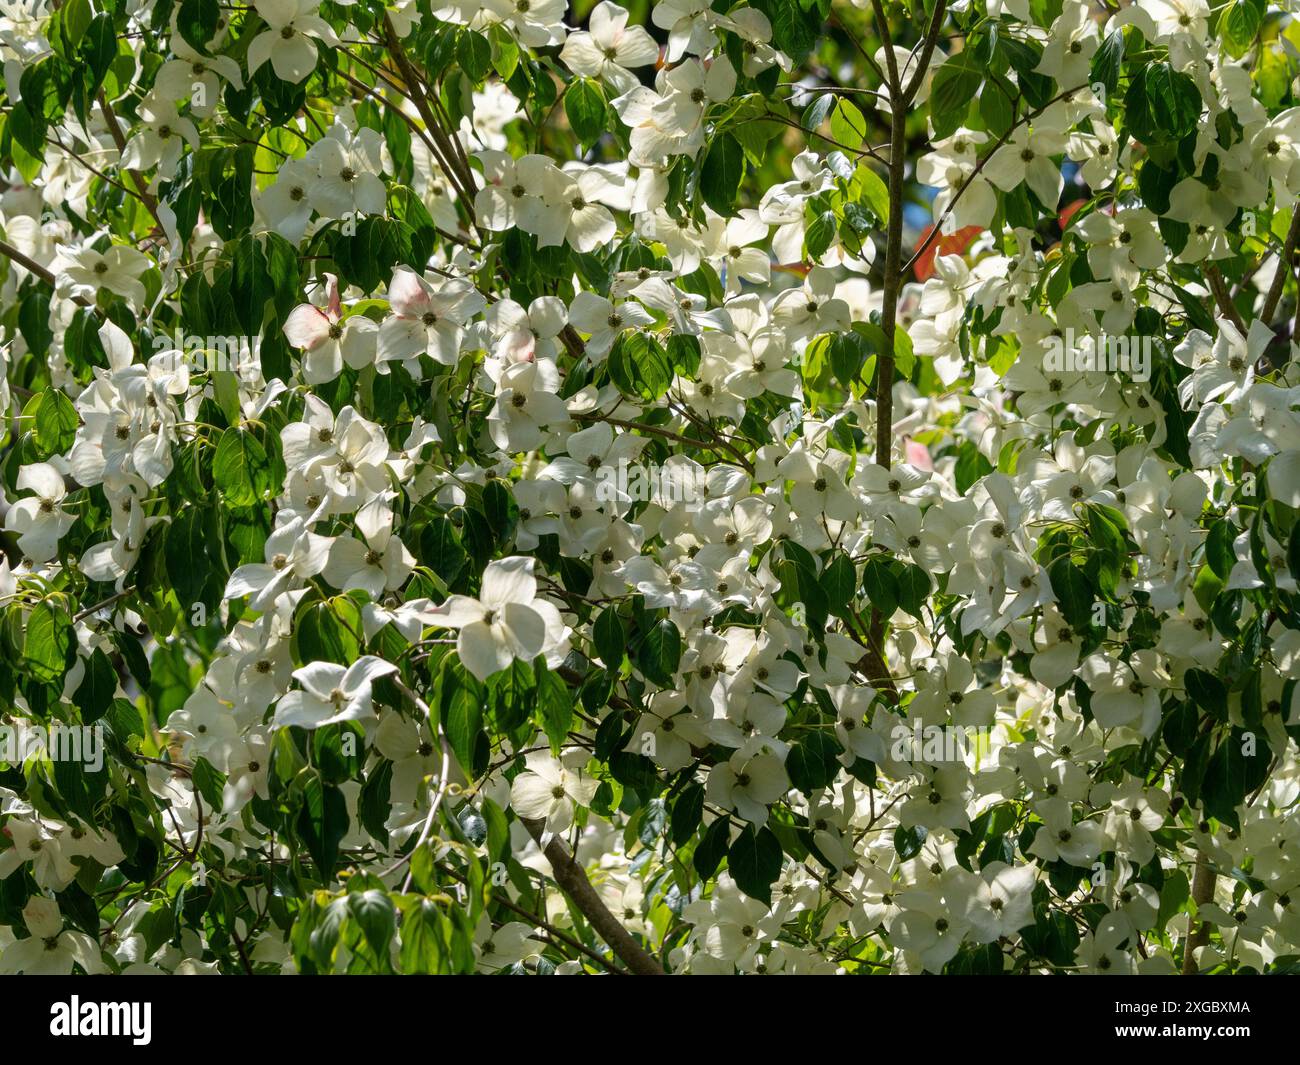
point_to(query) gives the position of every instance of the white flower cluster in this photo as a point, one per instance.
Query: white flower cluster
(1091, 570)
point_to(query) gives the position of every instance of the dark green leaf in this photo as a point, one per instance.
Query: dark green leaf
(754, 861)
(721, 173)
(322, 824)
(584, 105)
(813, 762)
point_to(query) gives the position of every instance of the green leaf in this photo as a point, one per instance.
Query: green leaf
(1108, 60)
(1025, 56)
(500, 511)
(815, 113)
(754, 861)
(239, 466)
(684, 354)
(687, 813)
(609, 638)
(1111, 552)
(321, 635)
(584, 105)
(262, 270)
(1073, 592)
(868, 188)
(799, 585)
(721, 174)
(196, 21)
(1238, 25)
(34, 321)
(954, 85)
(660, 653)
(971, 466)
(1219, 553)
(1180, 728)
(848, 127)
(322, 824)
(819, 234)
(639, 366)
(1155, 184)
(54, 422)
(498, 831)
(1174, 894)
(1207, 692)
(848, 355)
(554, 706)
(795, 26)
(512, 695)
(98, 686)
(425, 935)
(505, 52)
(1053, 935)
(997, 109)
(908, 841)
(185, 553)
(367, 257)
(99, 49)
(1162, 104)
(913, 588)
(839, 580)
(374, 912)
(441, 550)
(67, 27)
(474, 51)
(1238, 766)
(813, 762)
(880, 583)
(374, 803)
(711, 849)
(47, 642)
(461, 704)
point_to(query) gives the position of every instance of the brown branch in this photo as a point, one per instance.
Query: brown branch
(654, 430)
(927, 50)
(115, 131)
(872, 664)
(559, 937)
(574, 883)
(10, 252)
(1283, 269)
(83, 614)
(374, 94)
(243, 953)
(1203, 882)
(899, 99)
(1223, 298)
(884, 383)
(37, 270)
(891, 61)
(462, 179)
